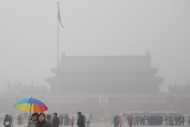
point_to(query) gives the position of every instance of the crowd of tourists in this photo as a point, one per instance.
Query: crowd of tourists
(167, 120)
(46, 120)
(80, 120)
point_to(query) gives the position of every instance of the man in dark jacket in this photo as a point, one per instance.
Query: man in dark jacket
(7, 121)
(55, 121)
(80, 120)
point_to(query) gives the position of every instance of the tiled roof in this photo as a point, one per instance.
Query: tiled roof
(117, 63)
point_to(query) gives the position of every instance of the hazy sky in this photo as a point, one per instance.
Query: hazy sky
(28, 30)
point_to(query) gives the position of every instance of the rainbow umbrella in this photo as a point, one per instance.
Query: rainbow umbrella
(31, 105)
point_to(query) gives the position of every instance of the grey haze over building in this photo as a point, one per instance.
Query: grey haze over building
(100, 27)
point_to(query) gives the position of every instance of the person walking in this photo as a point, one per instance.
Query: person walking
(80, 120)
(88, 120)
(72, 120)
(20, 120)
(41, 121)
(116, 121)
(48, 120)
(7, 121)
(55, 121)
(120, 121)
(130, 120)
(33, 120)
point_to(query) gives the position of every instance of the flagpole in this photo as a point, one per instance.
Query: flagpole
(57, 92)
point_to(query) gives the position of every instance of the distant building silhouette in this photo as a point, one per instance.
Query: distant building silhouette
(105, 75)
(100, 83)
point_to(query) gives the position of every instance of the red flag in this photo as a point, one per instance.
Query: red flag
(59, 15)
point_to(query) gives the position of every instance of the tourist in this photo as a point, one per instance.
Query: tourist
(55, 121)
(80, 120)
(32, 121)
(72, 120)
(41, 121)
(7, 121)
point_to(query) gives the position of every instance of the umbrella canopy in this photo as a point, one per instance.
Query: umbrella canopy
(31, 105)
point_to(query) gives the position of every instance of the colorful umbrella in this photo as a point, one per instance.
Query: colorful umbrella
(31, 105)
